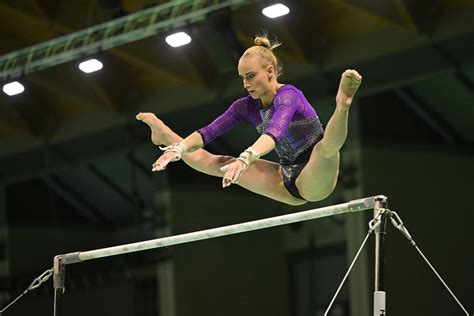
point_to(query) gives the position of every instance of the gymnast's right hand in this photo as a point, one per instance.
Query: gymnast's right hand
(171, 153)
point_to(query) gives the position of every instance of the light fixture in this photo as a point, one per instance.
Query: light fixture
(275, 11)
(90, 65)
(178, 39)
(13, 88)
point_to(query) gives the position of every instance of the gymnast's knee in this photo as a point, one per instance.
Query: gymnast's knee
(323, 150)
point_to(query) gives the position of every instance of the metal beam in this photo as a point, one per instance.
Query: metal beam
(108, 35)
(171, 77)
(348, 207)
(119, 53)
(465, 80)
(460, 70)
(112, 184)
(100, 175)
(428, 116)
(83, 207)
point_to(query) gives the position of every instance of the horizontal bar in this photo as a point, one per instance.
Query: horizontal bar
(352, 206)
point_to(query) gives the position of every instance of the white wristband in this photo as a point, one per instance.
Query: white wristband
(248, 156)
(178, 148)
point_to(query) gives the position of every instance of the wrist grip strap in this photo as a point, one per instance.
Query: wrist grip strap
(178, 148)
(248, 156)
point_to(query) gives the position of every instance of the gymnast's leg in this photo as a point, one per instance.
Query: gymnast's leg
(262, 177)
(318, 178)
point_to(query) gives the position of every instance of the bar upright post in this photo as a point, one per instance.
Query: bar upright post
(380, 232)
(59, 271)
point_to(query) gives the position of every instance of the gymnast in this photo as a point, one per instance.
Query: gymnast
(309, 156)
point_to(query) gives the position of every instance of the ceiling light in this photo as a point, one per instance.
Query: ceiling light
(90, 65)
(178, 39)
(13, 88)
(275, 10)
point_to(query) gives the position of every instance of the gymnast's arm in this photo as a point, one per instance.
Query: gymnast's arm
(231, 117)
(199, 159)
(264, 145)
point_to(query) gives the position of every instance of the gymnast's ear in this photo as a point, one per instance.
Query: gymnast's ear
(270, 71)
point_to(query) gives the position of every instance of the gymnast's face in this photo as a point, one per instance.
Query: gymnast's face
(255, 75)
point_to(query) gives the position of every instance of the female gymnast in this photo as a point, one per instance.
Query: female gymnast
(286, 122)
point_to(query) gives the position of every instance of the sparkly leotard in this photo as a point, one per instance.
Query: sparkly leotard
(290, 120)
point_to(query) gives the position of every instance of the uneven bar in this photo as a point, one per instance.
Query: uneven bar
(352, 206)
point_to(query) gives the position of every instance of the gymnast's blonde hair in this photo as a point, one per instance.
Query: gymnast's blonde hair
(264, 47)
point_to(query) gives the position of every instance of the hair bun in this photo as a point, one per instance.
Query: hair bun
(264, 48)
(262, 41)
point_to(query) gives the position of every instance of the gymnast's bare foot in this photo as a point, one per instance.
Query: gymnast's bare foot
(158, 128)
(350, 82)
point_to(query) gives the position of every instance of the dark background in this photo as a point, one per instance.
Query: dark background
(75, 164)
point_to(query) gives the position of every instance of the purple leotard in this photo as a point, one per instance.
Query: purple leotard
(290, 120)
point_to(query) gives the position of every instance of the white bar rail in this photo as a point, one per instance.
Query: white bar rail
(352, 206)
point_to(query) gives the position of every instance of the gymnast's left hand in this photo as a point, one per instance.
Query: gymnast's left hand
(232, 172)
(165, 159)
